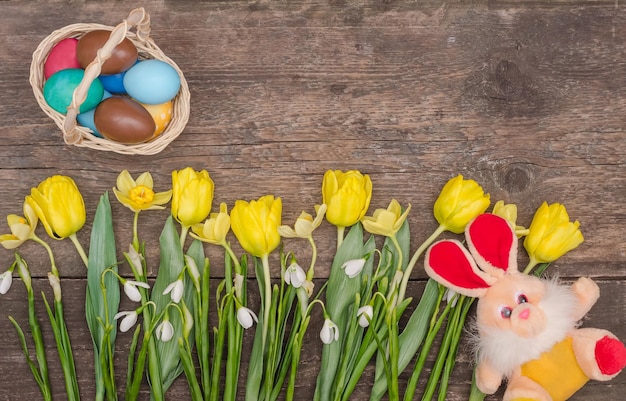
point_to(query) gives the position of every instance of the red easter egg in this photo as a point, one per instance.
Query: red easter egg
(61, 57)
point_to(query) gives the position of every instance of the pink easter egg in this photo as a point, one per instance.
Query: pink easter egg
(62, 56)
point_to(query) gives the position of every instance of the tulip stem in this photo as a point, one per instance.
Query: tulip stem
(79, 248)
(268, 296)
(183, 235)
(416, 256)
(532, 263)
(340, 231)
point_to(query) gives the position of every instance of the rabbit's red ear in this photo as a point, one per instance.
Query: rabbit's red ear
(493, 244)
(450, 264)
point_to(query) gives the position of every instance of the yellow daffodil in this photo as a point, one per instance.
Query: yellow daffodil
(305, 224)
(388, 221)
(347, 196)
(256, 223)
(22, 228)
(509, 213)
(215, 228)
(459, 202)
(192, 196)
(138, 195)
(551, 234)
(59, 205)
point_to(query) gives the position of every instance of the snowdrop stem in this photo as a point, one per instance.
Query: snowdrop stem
(53, 266)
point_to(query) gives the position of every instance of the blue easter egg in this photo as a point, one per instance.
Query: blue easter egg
(113, 83)
(86, 119)
(152, 82)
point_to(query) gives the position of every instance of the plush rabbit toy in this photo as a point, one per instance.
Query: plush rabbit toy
(527, 326)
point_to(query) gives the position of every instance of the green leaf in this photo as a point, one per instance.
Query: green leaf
(411, 337)
(102, 255)
(170, 267)
(340, 295)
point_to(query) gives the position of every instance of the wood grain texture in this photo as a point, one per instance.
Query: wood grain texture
(526, 98)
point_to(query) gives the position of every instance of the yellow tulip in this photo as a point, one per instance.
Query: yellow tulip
(22, 228)
(215, 228)
(255, 224)
(459, 202)
(192, 196)
(388, 221)
(59, 205)
(551, 234)
(139, 195)
(347, 196)
(509, 213)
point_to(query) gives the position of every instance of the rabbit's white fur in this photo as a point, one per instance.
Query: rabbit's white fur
(504, 350)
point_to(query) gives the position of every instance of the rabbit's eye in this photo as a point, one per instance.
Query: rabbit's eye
(522, 299)
(506, 312)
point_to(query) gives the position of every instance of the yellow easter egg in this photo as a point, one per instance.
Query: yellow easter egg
(161, 114)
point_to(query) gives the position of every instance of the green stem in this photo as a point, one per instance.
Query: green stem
(268, 297)
(419, 364)
(53, 266)
(532, 263)
(311, 271)
(135, 232)
(80, 249)
(413, 261)
(340, 232)
(183, 235)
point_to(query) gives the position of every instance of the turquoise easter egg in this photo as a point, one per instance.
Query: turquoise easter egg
(59, 89)
(86, 119)
(152, 82)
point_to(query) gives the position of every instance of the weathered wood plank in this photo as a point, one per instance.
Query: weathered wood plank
(525, 97)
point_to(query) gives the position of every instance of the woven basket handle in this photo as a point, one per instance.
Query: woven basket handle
(137, 18)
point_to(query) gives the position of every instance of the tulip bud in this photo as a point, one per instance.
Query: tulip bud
(255, 224)
(192, 196)
(347, 196)
(459, 202)
(551, 234)
(59, 205)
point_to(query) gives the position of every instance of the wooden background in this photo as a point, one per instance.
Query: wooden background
(527, 98)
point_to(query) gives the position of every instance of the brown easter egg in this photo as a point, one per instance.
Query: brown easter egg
(122, 58)
(124, 120)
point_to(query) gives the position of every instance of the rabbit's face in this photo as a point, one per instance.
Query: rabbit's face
(513, 304)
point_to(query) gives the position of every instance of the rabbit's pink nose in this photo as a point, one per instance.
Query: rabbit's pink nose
(524, 314)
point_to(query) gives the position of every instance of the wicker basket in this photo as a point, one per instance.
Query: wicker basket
(74, 134)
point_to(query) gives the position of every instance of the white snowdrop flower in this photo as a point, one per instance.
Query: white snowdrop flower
(130, 288)
(128, 321)
(365, 315)
(295, 275)
(329, 332)
(353, 267)
(176, 290)
(246, 317)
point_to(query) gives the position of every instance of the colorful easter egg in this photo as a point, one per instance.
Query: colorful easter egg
(86, 119)
(62, 56)
(124, 120)
(152, 82)
(161, 114)
(59, 89)
(123, 57)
